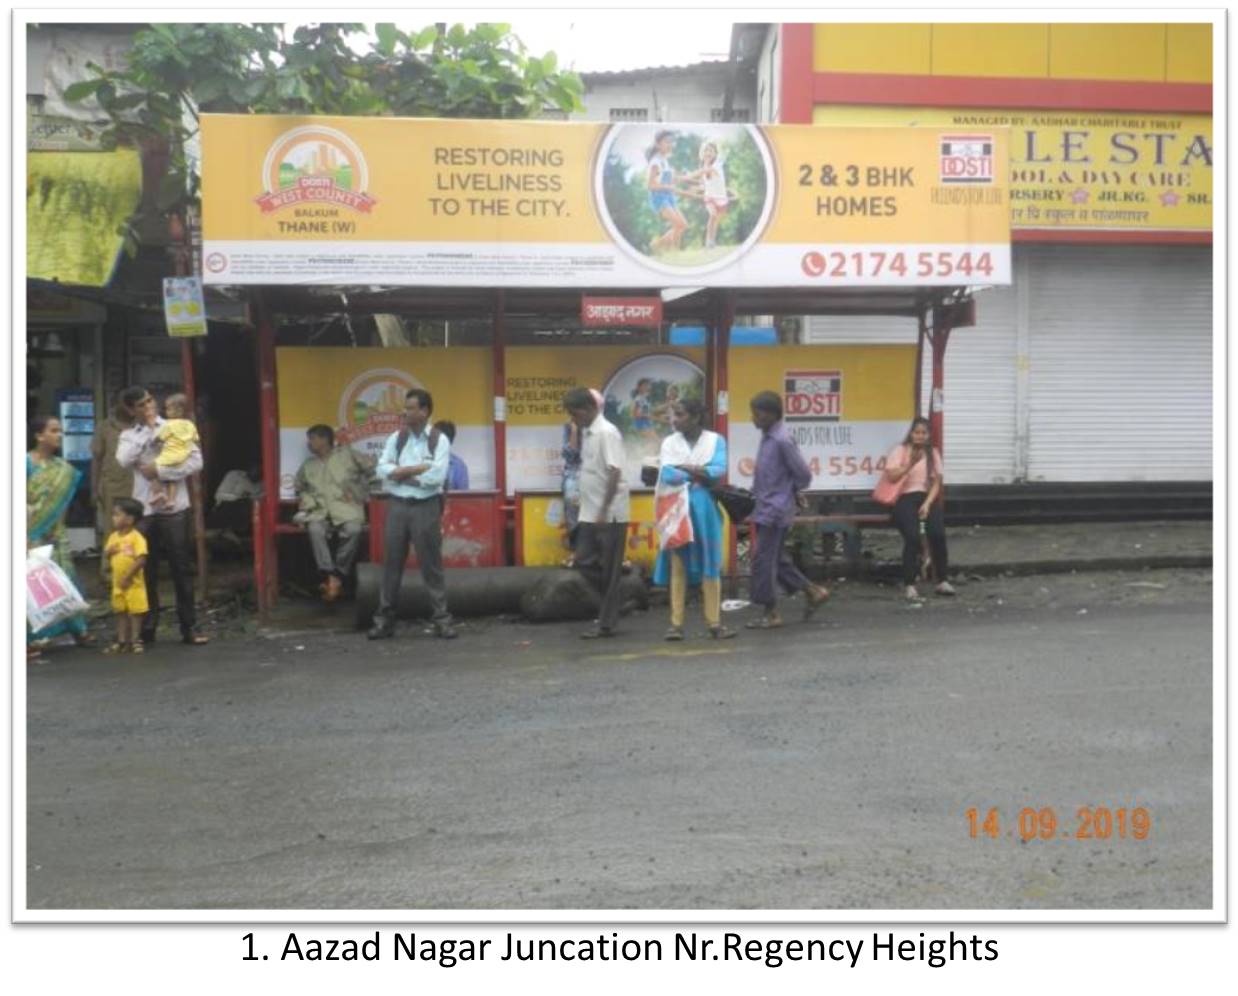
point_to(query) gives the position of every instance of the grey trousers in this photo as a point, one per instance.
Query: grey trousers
(349, 535)
(421, 525)
(599, 557)
(772, 567)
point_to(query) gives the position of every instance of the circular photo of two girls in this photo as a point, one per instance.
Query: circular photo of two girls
(684, 199)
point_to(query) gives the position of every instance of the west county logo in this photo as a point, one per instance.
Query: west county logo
(372, 406)
(315, 165)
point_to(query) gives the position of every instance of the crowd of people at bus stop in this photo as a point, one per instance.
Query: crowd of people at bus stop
(143, 460)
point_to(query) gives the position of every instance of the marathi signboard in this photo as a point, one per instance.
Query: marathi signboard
(1095, 170)
(620, 311)
(396, 201)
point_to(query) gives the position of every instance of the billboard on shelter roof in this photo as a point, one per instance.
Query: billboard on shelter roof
(399, 201)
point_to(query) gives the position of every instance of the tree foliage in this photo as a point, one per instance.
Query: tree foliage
(177, 71)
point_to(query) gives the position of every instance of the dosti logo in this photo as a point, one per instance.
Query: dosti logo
(315, 165)
(372, 406)
(966, 158)
(812, 395)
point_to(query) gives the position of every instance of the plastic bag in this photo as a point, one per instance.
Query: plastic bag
(50, 596)
(673, 523)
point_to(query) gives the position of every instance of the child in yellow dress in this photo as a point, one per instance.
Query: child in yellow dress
(177, 438)
(126, 552)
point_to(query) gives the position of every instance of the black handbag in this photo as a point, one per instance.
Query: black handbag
(738, 503)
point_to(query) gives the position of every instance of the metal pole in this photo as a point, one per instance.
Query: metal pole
(183, 267)
(195, 482)
(918, 378)
(269, 413)
(499, 349)
(941, 336)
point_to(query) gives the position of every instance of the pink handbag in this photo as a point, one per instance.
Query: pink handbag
(887, 492)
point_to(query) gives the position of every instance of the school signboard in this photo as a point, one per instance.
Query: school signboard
(428, 202)
(1085, 170)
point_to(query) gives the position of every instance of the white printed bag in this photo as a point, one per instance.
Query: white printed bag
(50, 595)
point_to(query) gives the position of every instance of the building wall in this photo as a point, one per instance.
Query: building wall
(1163, 53)
(1103, 332)
(670, 95)
(769, 78)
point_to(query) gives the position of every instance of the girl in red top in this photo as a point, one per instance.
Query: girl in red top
(917, 465)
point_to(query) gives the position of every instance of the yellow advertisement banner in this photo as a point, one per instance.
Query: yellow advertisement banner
(502, 203)
(846, 407)
(543, 533)
(360, 393)
(1099, 170)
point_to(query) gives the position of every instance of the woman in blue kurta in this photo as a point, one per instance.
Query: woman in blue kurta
(693, 459)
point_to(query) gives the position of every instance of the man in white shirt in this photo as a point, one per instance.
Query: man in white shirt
(413, 469)
(603, 526)
(166, 526)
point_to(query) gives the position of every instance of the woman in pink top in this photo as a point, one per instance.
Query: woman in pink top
(909, 463)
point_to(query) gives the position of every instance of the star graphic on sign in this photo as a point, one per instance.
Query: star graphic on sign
(1080, 196)
(1170, 198)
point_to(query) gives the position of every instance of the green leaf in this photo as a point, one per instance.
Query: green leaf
(128, 101)
(425, 37)
(550, 62)
(80, 91)
(388, 34)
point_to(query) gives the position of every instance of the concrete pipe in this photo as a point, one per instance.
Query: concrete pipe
(541, 593)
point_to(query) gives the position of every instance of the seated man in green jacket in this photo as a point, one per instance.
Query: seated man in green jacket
(333, 485)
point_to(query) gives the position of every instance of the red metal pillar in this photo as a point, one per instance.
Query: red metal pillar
(500, 394)
(182, 264)
(722, 346)
(918, 378)
(937, 404)
(268, 583)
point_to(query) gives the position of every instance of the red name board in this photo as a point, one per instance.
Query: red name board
(621, 311)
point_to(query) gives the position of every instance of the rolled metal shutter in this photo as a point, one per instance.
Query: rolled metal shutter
(1121, 363)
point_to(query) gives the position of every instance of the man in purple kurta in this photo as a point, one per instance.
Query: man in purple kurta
(781, 474)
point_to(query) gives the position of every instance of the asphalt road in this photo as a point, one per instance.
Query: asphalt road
(829, 765)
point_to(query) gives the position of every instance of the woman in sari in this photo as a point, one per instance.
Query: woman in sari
(51, 483)
(689, 524)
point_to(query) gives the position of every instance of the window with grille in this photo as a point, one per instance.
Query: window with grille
(737, 114)
(629, 114)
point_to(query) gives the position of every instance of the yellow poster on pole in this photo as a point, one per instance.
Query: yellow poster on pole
(434, 202)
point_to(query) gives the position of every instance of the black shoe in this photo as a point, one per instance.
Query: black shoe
(597, 633)
(378, 632)
(445, 631)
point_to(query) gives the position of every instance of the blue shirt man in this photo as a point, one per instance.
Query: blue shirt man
(413, 475)
(457, 469)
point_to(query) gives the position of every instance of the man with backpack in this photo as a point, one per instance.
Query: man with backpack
(413, 468)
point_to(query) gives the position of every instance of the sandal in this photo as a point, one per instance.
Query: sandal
(195, 639)
(674, 633)
(138, 648)
(116, 648)
(765, 622)
(812, 603)
(722, 633)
